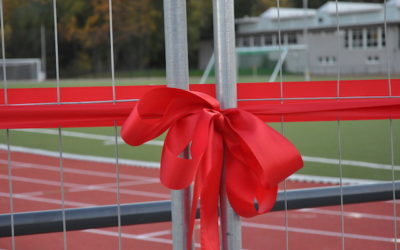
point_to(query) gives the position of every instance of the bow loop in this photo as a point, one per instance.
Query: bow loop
(158, 109)
(258, 159)
(265, 151)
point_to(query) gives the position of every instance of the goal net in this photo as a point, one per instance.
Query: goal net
(22, 69)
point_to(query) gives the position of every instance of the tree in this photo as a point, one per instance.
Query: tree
(22, 24)
(86, 23)
(256, 7)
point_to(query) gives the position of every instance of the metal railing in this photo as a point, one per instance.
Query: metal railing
(28, 223)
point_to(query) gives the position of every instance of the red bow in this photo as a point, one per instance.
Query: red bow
(257, 157)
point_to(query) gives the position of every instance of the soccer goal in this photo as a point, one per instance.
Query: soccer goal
(266, 58)
(22, 69)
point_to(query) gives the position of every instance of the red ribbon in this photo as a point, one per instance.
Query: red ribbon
(257, 157)
(366, 99)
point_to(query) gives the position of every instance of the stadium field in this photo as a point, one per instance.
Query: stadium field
(365, 146)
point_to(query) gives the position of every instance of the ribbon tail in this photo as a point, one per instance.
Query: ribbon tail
(206, 188)
(210, 194)
(193, 212)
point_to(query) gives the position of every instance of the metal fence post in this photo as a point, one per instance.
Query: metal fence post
(225, 69)
(177, 71)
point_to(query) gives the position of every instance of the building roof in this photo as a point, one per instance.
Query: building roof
(351, 14)
(349, 7)
(247, 19)
(394, 2)
(288, 13)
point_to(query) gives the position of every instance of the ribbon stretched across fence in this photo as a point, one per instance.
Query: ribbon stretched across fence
(257, 157)
(311, 101)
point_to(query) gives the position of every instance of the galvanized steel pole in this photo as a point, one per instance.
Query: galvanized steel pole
(225, 69)
(177, 70)
(176, 48)
(224, 50)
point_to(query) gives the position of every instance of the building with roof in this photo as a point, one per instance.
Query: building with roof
(347, 35)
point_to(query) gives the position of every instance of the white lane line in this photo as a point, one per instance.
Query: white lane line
(391, 201)
(121, 141)
(100, 187)
(132, 236)
(38, 181)
(107, 139)
(46, 200)
(329, 180)
(355, 215)
(37, 193)
(17, 164)
(97, 187)
(73, 185)
(153, 234)
(128, 236)
(317, 232)
(349, 163)
(71, 156)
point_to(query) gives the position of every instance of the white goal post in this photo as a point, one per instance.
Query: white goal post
(22, 69)
(281, 53)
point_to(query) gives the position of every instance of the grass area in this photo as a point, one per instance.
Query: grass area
(367, 141)
(82, 145)
(89, 82)
(158, 79)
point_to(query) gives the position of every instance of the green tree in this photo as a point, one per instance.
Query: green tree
(22, 23)
(86, 23)
(199, 26)
(256, 7)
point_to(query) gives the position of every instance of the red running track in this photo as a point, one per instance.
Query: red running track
(36, 186)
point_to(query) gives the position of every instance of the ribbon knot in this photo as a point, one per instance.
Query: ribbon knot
(257, 157)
